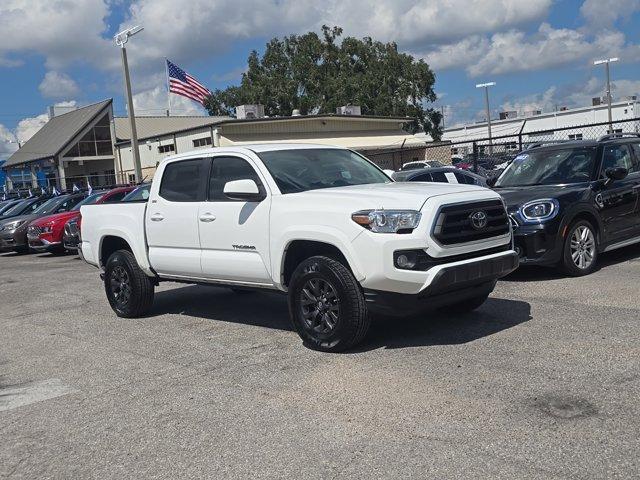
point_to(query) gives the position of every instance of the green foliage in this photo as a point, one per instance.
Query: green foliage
(316, 74)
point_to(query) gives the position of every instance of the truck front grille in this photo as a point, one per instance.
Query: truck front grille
(455, 223)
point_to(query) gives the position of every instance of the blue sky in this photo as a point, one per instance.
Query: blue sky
(538, 51)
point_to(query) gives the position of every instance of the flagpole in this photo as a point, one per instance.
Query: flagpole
(166, 69)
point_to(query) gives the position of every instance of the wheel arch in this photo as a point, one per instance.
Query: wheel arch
(297, 250)
(113, 240)
(584, 214)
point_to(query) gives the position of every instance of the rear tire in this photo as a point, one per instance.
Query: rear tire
(327, 306)
(580, 250)
(129, 290)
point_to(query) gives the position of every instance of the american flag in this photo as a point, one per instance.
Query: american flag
(181, 83)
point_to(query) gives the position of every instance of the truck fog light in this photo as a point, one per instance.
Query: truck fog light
(406, 260)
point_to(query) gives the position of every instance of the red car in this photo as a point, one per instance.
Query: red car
(45, 234)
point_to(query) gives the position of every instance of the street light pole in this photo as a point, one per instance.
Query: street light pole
(486, 100)
(606, 63)
(121, 39)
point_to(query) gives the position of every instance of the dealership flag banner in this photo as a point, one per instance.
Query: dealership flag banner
(181, 83)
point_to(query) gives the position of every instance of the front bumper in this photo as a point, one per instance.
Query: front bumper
(12, 239)
(538, 244)
(451, 284)
(42, 245)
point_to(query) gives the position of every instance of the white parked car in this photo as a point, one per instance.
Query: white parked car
(322, 224)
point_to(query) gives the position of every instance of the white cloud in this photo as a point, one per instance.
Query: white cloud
(62, 31)
(8, 143)
(154, 102)
(200, 29)
(27, 127)
(572, 96)
(58, 85)
(604, 13)
(515, 51)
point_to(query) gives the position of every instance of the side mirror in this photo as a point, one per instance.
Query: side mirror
(246, 190)
(615, 173)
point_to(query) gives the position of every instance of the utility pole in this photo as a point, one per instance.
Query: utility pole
(121, 39)
(486, 100)
(606, 63)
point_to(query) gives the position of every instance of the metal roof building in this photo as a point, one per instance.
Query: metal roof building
(90, 145)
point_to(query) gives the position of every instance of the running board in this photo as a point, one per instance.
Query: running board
(622, 244)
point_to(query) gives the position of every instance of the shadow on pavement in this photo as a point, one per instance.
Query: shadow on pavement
(270, 310)
(263, 309)
(531, 273)
(440, 328)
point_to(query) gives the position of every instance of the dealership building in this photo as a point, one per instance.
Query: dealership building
(91, 145)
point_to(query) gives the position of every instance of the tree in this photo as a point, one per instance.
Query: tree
(316, 74)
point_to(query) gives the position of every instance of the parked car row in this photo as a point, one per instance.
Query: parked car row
(51, 223)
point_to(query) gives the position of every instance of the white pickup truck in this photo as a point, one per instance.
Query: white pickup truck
(322, 224)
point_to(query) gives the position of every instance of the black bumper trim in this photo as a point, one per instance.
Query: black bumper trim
(451, 285)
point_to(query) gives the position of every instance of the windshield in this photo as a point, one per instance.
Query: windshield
(17, 208)
(49, 205)
(139, 194)
(314, 168)
(549, 167)
(90, 200)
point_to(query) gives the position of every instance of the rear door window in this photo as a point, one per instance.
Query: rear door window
(425, 177)
(184, 181)
(439, 177)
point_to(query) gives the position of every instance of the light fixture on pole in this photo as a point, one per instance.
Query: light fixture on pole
(606, 63)
(486, 100)
(121, 39)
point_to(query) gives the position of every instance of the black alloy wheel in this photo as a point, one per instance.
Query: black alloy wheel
(326, 305)
(129, 289)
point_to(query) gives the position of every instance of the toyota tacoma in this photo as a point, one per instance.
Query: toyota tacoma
(322, 224)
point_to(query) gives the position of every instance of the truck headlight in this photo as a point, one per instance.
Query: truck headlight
(539, 210)
(387, 221)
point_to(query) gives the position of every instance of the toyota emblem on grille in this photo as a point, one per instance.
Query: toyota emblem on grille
(478, 220)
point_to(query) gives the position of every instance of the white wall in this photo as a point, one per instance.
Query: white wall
(548, 121)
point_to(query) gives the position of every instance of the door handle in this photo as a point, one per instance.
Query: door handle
(157, 217)
(207, 217)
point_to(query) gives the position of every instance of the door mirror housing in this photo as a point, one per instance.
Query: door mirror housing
(246, 190)
(615, 173)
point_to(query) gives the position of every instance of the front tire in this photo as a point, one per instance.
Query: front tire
(580, 251)
(129, 290)
(327, 306)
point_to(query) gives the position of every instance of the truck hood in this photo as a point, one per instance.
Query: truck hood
(397, 195)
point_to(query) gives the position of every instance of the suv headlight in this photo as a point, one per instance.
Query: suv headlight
(12, 225)
(539, 210)
(387, 221)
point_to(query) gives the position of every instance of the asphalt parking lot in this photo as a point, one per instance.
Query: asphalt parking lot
(542, 382)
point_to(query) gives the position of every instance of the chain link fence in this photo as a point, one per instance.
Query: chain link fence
(483, 155)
